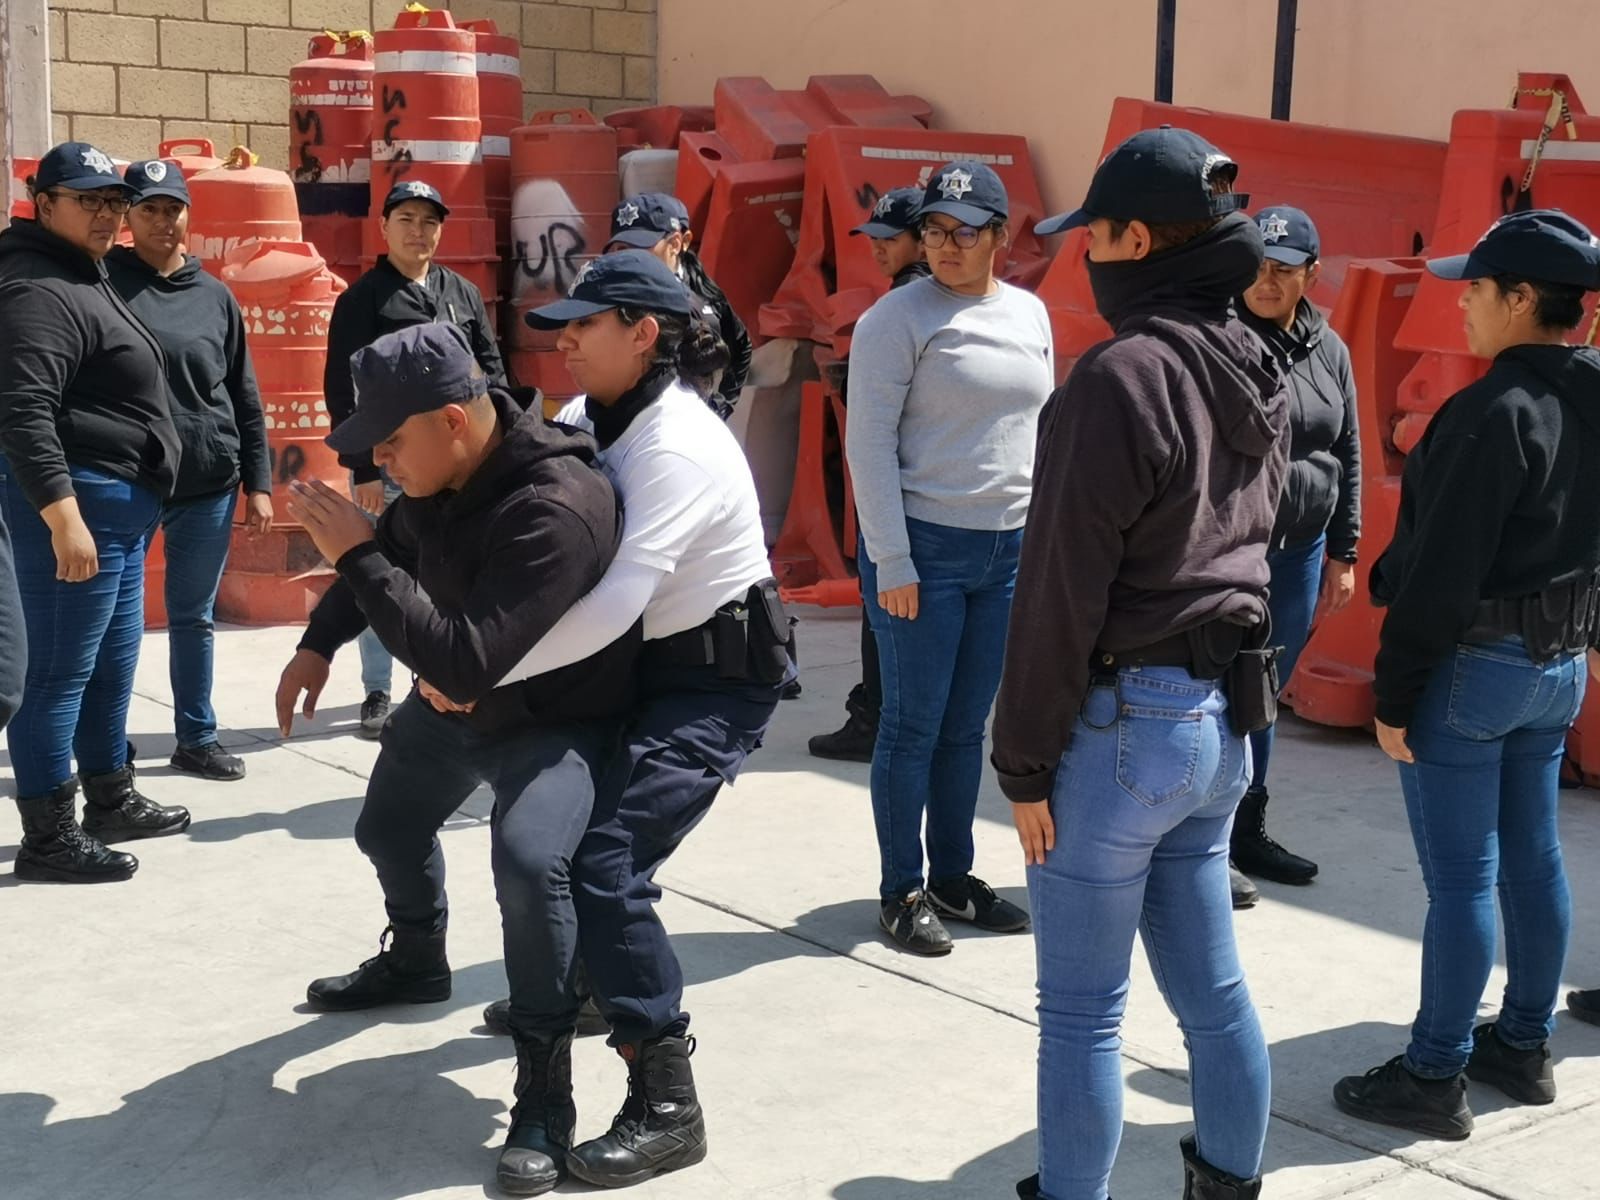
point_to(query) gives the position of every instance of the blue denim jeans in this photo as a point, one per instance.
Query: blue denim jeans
(377, 664)
(1487, 736)
(940, 674)
(197, 533)
(1296, 583)
(83, 638)
(1143, 807)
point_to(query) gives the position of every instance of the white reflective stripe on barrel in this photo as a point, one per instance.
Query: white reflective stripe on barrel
(425, 151)
(340, 99)
(499, 64)
(497, 147)
(438, 62)
(357, 170)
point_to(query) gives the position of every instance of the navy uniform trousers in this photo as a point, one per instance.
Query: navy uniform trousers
(543, 780)
(688, 734)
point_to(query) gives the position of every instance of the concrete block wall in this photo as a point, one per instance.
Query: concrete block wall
(127, 74)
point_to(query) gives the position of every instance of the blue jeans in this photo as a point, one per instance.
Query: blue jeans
(83, 638)
(1296, 583)
(1487, 736)
(197, 532)
(377, 664)
(940, 674)
(1143, 807)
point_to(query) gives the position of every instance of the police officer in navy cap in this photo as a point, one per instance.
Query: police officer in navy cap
(504, 523)
(693, 566)
(406, 287)
(659, 223)
(1138, 662)
(1492, 594)
(892, 228)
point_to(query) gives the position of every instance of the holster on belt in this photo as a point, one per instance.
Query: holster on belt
(1251, 679)
(1561, 619)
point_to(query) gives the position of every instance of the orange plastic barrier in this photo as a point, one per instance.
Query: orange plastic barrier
(239, 203)
(810, 553)
(833, 278)
(500, 110)
(330, 156)
(660, 126)
(204, 157)
(1372, 195)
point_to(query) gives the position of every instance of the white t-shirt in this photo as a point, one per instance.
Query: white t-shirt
(689, 508)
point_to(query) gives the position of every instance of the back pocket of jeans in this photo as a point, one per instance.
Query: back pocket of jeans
(1158, 751)
(1491, 693)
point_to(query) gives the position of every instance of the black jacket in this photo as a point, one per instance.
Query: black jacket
(461, 585)
(13, 638)
(215, 402)
(721, 317)
(1500, 499)
(81, 380)
(382, 301)
(1322, 493)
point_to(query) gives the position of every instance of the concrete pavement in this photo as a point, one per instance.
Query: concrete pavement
(154, 1043)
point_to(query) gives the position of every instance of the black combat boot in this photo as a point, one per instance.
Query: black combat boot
(1524, 1075)
(55, 849)
(1254, 853)
(1202, 1181)
(855, 741)
(114, 811)
(534, 1158)
(660, 1127)
(409, 968)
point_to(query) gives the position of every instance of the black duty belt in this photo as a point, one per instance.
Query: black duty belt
(1206, 651)
(1564, 619)
(748, 638)
(695, 647)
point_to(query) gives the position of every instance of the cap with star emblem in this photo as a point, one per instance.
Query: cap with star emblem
(894, 213)
(631, 278)
(968, 191)
(1290, 236)
(643, 220)
(1544, 245)
(78, 166)
(419, 369)
(1160, 176)
(156, 177)
(414, 190)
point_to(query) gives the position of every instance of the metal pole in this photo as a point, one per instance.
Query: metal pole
(25, 73)
(1283, 60)
(1166, 40)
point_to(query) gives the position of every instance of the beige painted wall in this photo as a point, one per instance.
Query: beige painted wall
(1048, 69)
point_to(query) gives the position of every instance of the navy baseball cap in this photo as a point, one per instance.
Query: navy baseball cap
(156, 177)
(628, 278)
(79, 167)
(414, 370)
(1289, 235)
(1543, 244)
(894, 213)
(414, 190)
(1159, 176)
(968, 191)
(643, 220)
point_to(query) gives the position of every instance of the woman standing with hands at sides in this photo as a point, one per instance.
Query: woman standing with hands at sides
(216, 408)
(947, 377)
(91, 454)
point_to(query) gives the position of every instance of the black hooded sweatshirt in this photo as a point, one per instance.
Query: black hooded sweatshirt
(216, 404)
(1322, 493)
(1499, 500)
(1159, 466)
(459, 586)
(82, 381)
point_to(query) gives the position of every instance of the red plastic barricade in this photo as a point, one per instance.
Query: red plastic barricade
(833, 279)
(658, 127)
(500, 110)
(1372, 195)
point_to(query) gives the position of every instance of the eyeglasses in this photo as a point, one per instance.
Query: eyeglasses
(90, 202)
(964, 236)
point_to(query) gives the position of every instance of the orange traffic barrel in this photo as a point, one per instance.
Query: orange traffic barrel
(21, 169)
(193, 155)
(564, 186)
(500, 110)
(239, 203)
(330, 125)
(286, 293)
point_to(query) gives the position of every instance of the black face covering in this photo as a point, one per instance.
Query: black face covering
(611, 421)
(1200, 277)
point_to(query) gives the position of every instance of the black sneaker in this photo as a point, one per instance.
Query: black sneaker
(971, 899)
(1244, 893)
(210, 761)
(1524, 1075)
(912, 923)
(374, 714)
(1585, 1005)
(1392, 1095)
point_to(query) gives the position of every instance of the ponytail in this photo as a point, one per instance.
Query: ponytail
(686, 345)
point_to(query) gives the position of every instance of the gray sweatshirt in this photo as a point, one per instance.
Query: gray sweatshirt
(945, 392)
